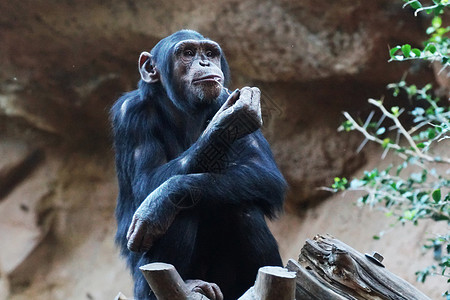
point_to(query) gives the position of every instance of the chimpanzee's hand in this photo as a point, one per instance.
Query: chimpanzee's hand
(150, 221)
(210, 290)
(239, 115)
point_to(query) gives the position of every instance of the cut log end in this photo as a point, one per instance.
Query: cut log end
(120, 296)
(158, 266)
(278, 272)
(275, 283)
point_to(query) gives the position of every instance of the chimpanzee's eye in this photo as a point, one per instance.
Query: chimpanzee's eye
(188, 53)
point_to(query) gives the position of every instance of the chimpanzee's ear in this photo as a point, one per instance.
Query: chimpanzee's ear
(148, 71)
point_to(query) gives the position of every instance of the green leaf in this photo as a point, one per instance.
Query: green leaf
(420, 145)
(430, 30)
(395, 110)
(418, 111)
(386, 143)
(427, 87)
(380, 131)
(406, 49)
(356, 183)
(436, 22)
(414, 4)
(417, 52)
(393, 51)
(409, 214)
(424, 198)
(363, 199)
(436, 195)
(412, 90)
(340, 183)
(431, 48)
(347, 125)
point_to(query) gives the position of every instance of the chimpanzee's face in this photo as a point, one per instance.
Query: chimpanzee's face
(197, 70)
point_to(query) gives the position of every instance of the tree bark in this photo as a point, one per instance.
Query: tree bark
(329, 269)
(165, 281)
(272, 283)
(167, 284)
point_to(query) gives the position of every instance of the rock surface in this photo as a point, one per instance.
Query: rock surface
(63, 65)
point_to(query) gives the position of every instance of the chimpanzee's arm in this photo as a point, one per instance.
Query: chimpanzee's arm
(142, 162)
(142, 159)
(253, 180)
(143, 155)
(239, 116)
(161, 183)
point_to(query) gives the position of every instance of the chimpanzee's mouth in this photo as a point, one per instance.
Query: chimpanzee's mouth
(207, 78)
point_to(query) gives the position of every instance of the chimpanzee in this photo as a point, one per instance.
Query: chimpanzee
(196, 176)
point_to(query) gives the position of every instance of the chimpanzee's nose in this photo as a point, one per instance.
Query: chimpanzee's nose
(204, 63)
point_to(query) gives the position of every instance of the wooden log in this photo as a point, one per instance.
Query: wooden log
(165, 281)
(275, 283)
(330, 269)
(167, 284)
(308, 286)
(327, 269)
(272, 283)
(120, 296)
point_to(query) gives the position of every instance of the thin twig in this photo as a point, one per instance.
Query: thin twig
(407, 136)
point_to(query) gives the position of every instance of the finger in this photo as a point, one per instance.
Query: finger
(256, 98)
(244, 98)
(246, 88)
(256, 102)
(198, 289)
(256, 94)
(147, 242)
(131, 228)
(230, 100)
(205, 289)
(217, 291)
(255, 106)
(246, 93)
(135, 242)
(132, 245)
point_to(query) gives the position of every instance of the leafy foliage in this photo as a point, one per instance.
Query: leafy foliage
(413, 189)
(436, 48)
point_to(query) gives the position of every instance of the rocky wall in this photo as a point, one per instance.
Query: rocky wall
(63, 63)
